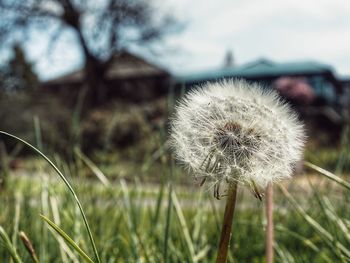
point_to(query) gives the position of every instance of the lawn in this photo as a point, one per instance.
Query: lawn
(174, 220)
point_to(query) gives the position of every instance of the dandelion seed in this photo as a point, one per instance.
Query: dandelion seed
(235, 131)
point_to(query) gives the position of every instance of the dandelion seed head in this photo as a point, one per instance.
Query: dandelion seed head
(233, 130)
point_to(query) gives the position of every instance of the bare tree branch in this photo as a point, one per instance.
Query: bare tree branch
(102, 28)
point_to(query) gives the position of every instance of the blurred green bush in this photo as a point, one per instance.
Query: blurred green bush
(17, 113)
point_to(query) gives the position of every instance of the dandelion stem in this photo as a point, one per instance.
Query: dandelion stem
(227, 224)
(269, 226)
(29, 246)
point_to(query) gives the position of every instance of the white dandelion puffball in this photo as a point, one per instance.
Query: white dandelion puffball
(236, 131)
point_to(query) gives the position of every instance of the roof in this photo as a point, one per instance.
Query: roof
(258, 68)
(344, 79)
(124, 66)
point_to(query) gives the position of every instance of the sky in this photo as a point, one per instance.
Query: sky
(280, 30)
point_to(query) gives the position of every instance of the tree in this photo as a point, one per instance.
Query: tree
(18, 75)
(102, 28)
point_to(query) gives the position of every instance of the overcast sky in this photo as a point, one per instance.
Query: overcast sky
(280, 30)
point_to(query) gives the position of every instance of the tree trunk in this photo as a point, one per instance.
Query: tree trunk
(95, 82)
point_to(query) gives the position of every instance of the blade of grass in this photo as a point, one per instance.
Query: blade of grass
(328, 237)
(4, 163)
(70, 188)
(284, 254)
(99, 174)
(29, 246)
(9, 246)
(67, 238)
(167, 224)
(45, 209)
(76, 131)
(184, 227)
(168, 213)
(344, 150)
(307, 242)
(160, 197)
(64, 249)
(18, 202)
(130, 219)
(329, 175)
(329, 222)
(202, 253)
(332, 215)
(308, 218)
(198, 219)
(37, 130)
(329, 211)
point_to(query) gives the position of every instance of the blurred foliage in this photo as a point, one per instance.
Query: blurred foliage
(130, 128)
(18, 75)
(336, 157)
(329, 158)
(17, 113)
(122, 125)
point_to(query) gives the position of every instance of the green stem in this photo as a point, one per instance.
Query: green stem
(70, 188)
(227, 223)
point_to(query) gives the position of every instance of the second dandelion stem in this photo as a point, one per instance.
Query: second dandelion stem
(227, 223)
(269, 226)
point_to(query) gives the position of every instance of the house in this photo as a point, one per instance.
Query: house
(311, 87)
(319, 76)
(129, 77)
(345, 98)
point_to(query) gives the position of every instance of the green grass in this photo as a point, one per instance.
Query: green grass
(140, 219)
(129, 221)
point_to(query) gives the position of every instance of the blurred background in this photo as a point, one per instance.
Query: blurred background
(93, 84)
(104, 75)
